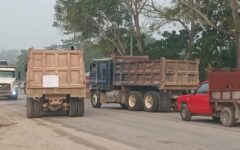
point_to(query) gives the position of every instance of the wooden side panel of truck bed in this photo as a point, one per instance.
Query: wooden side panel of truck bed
(162, 73)
(68, 66)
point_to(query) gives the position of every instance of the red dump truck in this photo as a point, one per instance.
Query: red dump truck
(137, 83)
(219, 97)
(55, 82)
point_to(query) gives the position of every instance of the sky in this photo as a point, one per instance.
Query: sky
(27, 23)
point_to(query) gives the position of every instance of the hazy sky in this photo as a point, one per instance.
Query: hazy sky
(27, 23)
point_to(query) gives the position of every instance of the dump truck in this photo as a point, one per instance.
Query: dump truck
(55, 82)
(219, 98)
(8, 81)
(137, 83)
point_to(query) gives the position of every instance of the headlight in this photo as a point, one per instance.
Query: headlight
(14, 92)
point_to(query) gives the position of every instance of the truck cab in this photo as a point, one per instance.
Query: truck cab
(197, 102)
(8, 85)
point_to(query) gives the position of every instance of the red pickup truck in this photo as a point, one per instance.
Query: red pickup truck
(219, 97)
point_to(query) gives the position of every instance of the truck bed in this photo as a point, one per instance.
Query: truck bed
(162, 73)
(67, 66)
(224, 85)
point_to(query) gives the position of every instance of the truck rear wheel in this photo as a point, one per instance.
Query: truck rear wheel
(95, 100)
(124, 106)
(216, 118)
(30, 108)
(184, 112)
(73, 112)
(228, 116)
(151, 102)
(80, 105)
(37, 108)
(135, 100)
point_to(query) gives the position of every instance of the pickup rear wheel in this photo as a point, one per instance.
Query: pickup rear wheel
(135, 100)
(151, 101)
(184, 112)
(95, 100)
(228, 116)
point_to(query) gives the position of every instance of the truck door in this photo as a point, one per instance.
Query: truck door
(199, 102)
(93, 76)
(100, 75)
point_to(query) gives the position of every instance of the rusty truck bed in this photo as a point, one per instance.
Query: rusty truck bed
(67, 66)
(224, 85)
(163, 73)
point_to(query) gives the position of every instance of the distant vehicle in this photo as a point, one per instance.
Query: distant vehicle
(8, 83)
(219, 98)
(3, 62)
(55, 82)
(137, 83)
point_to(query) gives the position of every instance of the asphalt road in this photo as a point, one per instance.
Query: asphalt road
(134, 130)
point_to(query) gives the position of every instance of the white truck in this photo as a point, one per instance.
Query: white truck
(8, 84)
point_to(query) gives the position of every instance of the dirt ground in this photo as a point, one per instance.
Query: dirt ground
(19, 133)
(111, 128)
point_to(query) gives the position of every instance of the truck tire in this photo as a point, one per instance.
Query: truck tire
(165, 102)
(184, 112)
(151, 101)
(123, 106)
(37, 108)
(73, 111)
(80, 105)
(30, 108)
(228, 116)
(95, 100)
(135, 100)
(215, 118)
(15, 97)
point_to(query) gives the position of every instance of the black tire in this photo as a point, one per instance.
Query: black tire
(185, 114)
(73, 112)
(95, 100)
(30, 108)
(37, 108)
(80, 105)
(228, 116)
(135, 101)
(165, 102)
(151, 101)
(123, 106)
(216, 118)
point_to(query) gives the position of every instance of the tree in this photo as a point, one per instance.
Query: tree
(224, 18)
(174, 13)
(135, 8)
(95, 20)
(21, 63)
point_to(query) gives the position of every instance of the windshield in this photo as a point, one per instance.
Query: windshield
(7, 74)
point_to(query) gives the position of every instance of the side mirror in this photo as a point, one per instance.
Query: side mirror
(193, 92)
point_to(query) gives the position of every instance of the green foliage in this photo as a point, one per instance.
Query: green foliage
(170, 46)
(21, 63)
(95, 20)
(9, 55)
